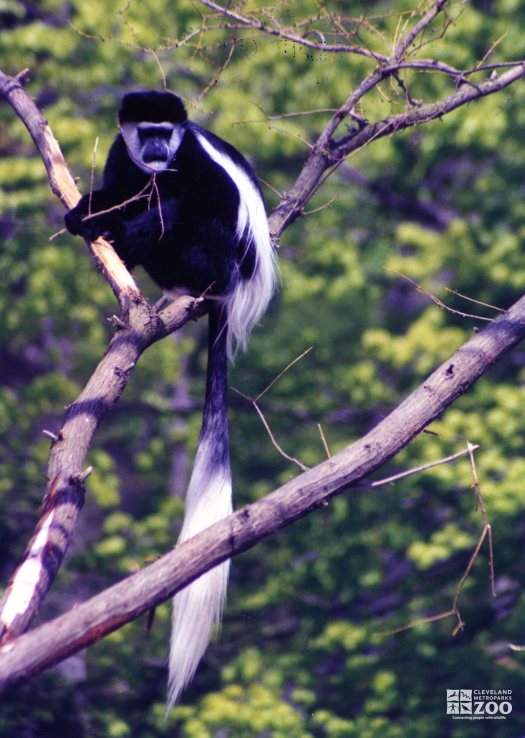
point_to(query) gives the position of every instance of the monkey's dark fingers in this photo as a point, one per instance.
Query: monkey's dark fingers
(89, 229)
(73, 221)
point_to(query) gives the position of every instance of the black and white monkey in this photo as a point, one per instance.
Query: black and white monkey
(187, 206)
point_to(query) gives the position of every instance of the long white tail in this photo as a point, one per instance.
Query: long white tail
(198, 607)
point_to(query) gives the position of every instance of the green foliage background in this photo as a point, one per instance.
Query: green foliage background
(301, 653)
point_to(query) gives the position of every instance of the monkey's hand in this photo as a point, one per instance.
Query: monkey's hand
(82, 220)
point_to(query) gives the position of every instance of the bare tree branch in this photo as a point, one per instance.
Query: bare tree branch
(328, 154)
(27, 654)
(100, 615)
(66, 475)
(425, 113)
(63, 185)
(243, 22)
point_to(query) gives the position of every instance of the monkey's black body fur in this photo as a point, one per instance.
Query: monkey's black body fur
(191, 243)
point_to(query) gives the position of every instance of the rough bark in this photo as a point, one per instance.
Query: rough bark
(90, 621)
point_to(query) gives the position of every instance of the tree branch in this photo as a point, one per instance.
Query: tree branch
(100, 615)
(63, 185)
(424, 113)
(243, 22)
(66, 476)
(64, 496)
(327, 153)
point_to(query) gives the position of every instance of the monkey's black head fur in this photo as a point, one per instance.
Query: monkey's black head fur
(152, 106)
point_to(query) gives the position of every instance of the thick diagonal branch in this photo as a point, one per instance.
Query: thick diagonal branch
(66, 471)
(63, 185)
(66, 475)
(87, 623)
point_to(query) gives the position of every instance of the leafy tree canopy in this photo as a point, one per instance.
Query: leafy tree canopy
(303, 651)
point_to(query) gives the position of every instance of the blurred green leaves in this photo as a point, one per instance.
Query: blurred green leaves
(299, 654)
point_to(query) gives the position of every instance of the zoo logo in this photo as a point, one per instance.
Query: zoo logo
(479, 704)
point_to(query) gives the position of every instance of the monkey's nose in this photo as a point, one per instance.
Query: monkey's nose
(155, 149)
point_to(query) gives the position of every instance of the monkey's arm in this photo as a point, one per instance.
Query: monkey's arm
(98, 212)
(92, 216)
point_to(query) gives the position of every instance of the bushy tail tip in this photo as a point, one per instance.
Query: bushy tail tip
(197, 609)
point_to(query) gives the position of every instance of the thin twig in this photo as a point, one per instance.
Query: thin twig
(324, 442)
(437, 300)
(483, 510)
(278, 377)
(255, 401)
(419, 469)
(254, 23)
(486, 532)
(414, 624)
(269, 431)
(476, 302)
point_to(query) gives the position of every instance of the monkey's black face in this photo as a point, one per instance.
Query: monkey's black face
(152, 146)
(155, 144)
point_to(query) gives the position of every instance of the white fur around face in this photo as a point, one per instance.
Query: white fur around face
(135, 150)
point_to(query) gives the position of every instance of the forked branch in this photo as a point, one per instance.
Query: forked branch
(64, 495)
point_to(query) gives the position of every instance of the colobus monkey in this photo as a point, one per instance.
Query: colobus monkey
(187, 206)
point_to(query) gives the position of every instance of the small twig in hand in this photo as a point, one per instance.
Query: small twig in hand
(155, 189)
(143, 193)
